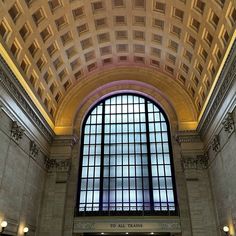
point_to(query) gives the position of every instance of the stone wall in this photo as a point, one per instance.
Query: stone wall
(22, 176)
(194, 165)
(222, 171)
(58, 204)
(217, 129)
(25, 139)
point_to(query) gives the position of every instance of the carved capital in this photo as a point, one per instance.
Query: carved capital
(197, 162)
(16, 131)
(228, 123)
(187, 137)
(69, 140)
(58, 165)
(216, 143)
(34, 149)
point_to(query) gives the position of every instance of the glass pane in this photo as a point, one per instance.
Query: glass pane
(126, 196)
(85, 161)
(97, 172)
(164, 137)
(83, 184)
(96, 196)
(162, 183)
(153, 159)
(170, 195)
(99, 119)
(167, 158)
(155, 183)
(91, 172)
(91, 160)
(161, 170)
(156, 196)
(150, 117)
(82, 196)
(125, 183)
(163, 195)
(84, 172)
(96, 184)
(154, 170)
(169, 182)
(167, 170)
(86, 139)
(119, 196)
(139, 196)
(89, 196)
(163, 126)
(151, 127)
(86, 149)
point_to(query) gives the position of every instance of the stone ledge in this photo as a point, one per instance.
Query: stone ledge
(130, 224)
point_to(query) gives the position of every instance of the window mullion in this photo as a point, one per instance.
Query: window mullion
(102, 159)
(149, 158)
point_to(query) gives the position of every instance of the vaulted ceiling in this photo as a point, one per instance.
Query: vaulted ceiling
(57, 44)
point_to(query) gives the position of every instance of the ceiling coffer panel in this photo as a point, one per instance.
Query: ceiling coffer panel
(57, 43)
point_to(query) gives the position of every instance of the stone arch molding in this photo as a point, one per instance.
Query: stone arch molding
(162, 89)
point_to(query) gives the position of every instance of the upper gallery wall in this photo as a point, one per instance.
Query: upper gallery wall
(57, 45)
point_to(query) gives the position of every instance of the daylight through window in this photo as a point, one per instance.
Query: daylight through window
(126, 160)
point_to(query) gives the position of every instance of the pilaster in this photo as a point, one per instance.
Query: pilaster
(194, 163)
(58, 166)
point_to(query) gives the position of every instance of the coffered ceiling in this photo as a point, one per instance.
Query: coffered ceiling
(57, 44)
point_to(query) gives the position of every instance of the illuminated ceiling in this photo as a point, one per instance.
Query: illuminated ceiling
(58, 44)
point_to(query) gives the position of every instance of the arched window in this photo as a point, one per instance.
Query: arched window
(126, 161)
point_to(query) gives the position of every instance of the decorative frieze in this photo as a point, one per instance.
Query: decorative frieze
(14, 88)
(16, 131)
(228, 123)
(228, 74)
(215, 144)
(1, 109)
(196, 162)
(58, 165)
(34, 149)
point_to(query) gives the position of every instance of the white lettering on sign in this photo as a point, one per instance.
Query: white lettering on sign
(126, 225)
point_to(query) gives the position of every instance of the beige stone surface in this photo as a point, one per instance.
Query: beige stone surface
(21, 181)
(223, 179)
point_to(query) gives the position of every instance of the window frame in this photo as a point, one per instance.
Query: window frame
(150, 212)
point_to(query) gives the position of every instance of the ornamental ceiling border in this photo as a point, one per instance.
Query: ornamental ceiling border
(227, 76)
(15, 89)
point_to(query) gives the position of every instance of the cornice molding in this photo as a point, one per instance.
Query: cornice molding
(16, 91)
(227, 76)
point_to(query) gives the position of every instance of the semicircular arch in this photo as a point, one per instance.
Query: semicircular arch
(161, 88)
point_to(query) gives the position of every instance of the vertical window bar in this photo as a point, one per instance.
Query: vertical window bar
(102, 159)
(149, 157)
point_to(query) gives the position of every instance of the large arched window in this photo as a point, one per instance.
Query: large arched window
(126, 160)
